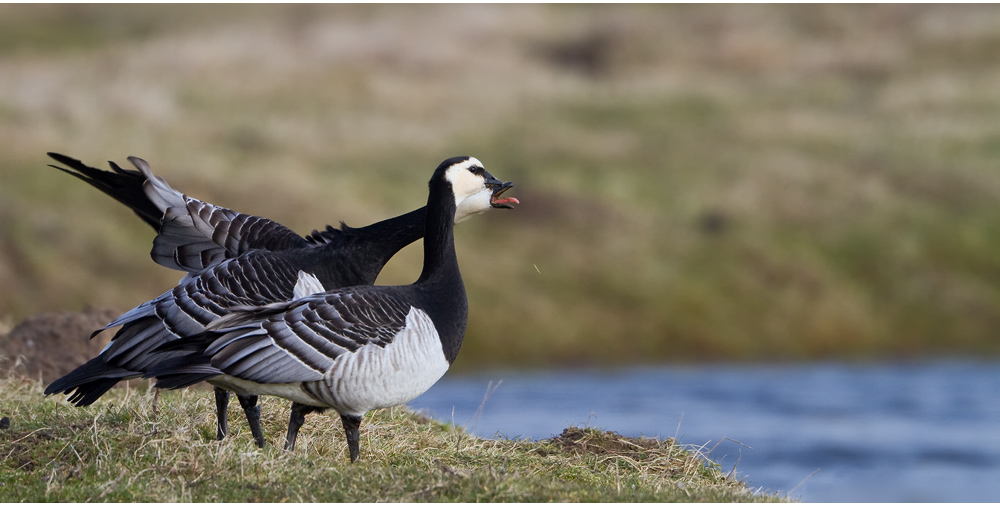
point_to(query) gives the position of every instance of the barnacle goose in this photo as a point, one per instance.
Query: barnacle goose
(351, 349)
(230, 259)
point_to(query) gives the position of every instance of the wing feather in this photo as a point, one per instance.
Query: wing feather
(194, 235)
(301, 340)
(190, 307)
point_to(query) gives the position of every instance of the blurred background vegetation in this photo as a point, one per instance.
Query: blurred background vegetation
(706, 182)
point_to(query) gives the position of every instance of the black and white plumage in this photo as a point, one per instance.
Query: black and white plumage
(352, 349)
(191, 235)
(231, 259)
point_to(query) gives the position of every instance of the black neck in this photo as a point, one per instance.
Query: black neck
(440, 261)
(440, 283)
(385, 238)
(355, 256)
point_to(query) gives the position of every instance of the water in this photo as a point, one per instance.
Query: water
(818, 432)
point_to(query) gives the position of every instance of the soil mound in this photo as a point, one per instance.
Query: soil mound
(49, 345)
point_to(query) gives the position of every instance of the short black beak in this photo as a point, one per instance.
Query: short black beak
(498, 187)
(492, 182)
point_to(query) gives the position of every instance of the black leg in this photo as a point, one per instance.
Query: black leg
(299, 412)
(352, 428)
(252, 410)
(221, 406)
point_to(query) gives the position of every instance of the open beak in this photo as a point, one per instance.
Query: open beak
(503, 202)
(498, 188)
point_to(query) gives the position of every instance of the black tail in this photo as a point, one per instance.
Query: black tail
(182, 371)
(123, 185)
(90, 381)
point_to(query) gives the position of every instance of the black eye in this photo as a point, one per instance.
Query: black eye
(477, 170)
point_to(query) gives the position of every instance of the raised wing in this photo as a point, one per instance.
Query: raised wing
(194, 235)
(123, 185)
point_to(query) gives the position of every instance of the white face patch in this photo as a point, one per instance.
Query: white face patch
(463, 181)
(478, 203)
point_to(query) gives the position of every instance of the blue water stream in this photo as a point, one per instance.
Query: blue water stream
(817, 432)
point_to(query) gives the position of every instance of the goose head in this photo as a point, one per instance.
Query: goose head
(475, 189)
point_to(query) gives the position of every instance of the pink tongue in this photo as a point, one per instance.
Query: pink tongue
(506, 200)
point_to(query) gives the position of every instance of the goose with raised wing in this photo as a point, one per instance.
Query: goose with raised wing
(352, 349)
(231, 259)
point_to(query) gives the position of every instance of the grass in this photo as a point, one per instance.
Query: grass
(136, 446)
(704, 182)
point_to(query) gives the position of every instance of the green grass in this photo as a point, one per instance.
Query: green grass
(134, 447)
(711, 182)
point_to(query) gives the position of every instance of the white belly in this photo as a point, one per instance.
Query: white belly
(376, 377)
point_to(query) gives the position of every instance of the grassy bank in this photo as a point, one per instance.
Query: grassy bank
(707, 182)
(129, 447)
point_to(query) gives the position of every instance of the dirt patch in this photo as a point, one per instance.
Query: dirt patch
(50, 345)
(606, 442)
(661, 457)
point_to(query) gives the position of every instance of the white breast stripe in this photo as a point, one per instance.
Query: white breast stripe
(376, 377)
(307, 284)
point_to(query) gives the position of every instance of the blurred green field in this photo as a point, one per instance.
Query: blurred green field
(705, 182)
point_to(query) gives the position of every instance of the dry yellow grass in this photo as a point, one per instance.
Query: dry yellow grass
(134, 446)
